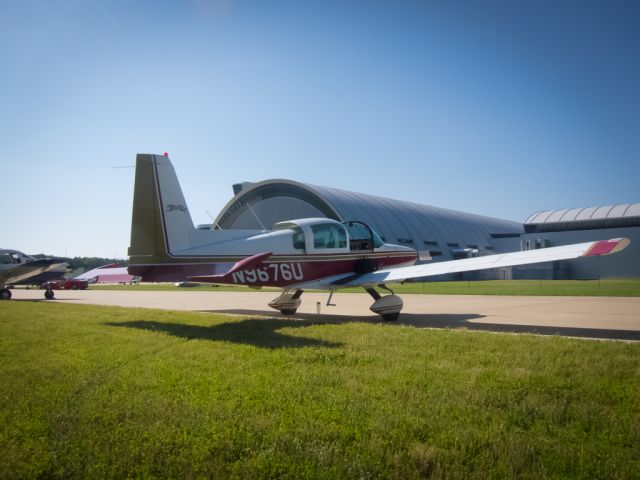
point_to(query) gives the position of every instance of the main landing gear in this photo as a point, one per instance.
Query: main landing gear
(48, 294)
(5, 294)
(388, 307)
(287, 303)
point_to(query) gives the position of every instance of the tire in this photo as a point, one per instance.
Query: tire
(48, 294)
(391, 317)
(5, 294)
(288, 311)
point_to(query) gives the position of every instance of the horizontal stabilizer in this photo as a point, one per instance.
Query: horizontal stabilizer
(244, 264)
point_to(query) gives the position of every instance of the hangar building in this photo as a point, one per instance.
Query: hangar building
(446, 234)
(562, 227)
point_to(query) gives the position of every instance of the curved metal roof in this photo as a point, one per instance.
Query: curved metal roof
(624, 210)
(421, 226)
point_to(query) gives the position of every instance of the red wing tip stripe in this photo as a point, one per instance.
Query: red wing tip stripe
(605, 247)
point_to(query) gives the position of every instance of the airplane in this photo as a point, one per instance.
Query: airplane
(110, 273)
(295, 255)
(16, 268)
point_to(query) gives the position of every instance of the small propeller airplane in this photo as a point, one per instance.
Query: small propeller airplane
(16, 268)
(295, 255)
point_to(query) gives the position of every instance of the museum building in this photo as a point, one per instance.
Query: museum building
(447, 234)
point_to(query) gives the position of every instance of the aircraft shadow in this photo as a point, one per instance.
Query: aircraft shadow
(252, 331)
(454, 321)
(44, 300)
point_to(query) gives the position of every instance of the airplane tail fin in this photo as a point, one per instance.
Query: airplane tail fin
(161, 224)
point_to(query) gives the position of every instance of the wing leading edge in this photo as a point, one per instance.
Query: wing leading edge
(565, 252)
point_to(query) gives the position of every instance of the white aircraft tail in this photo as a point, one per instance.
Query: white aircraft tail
(161, 224)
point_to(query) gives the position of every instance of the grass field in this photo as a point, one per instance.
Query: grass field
(90, 392)
(609, 288)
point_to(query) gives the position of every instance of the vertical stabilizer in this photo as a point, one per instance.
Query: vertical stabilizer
(161, 224)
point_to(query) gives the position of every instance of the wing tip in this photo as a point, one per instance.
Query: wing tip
(607, 247)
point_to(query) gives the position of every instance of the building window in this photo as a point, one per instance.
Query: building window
(452, 244)
(430, 243)
(405, 240)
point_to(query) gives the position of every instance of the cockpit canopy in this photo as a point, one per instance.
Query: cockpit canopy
(324, 235)
(12, 257)
(361, 236)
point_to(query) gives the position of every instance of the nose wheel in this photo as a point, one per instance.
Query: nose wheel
(5, 294)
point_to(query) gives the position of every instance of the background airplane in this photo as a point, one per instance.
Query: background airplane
(311, 253)
(17, 268)
(111, 273)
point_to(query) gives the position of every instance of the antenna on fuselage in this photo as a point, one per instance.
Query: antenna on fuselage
(254, 214)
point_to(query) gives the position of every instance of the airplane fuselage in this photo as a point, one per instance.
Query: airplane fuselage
(277, 271)
(299, 251)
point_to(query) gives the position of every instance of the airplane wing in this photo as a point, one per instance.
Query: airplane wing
(25, 271)
(112, 273)
(400, 274)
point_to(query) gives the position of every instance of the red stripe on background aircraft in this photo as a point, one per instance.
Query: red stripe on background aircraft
(310, 253)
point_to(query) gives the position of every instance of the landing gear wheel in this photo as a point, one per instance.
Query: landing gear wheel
(48, 294)
(5, 294)
(287, 303)
(391, 317)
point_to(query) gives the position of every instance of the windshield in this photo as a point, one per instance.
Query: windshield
(377, 241)
(362, 237)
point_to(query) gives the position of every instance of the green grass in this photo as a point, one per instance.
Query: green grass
(89, 391)
(607, 288)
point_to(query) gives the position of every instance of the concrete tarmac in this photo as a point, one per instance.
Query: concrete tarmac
(589, 317)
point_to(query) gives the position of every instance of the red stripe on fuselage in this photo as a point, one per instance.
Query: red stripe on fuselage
(280, 273)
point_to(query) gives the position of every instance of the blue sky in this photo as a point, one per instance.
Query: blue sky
(499, 108)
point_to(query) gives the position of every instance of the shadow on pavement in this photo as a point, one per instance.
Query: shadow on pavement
(453, 321)
(450, 321)
(44, 300)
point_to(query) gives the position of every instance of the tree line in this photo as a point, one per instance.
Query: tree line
(88, 263)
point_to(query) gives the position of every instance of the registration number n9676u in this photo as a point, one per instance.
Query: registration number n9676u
(272, 272)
